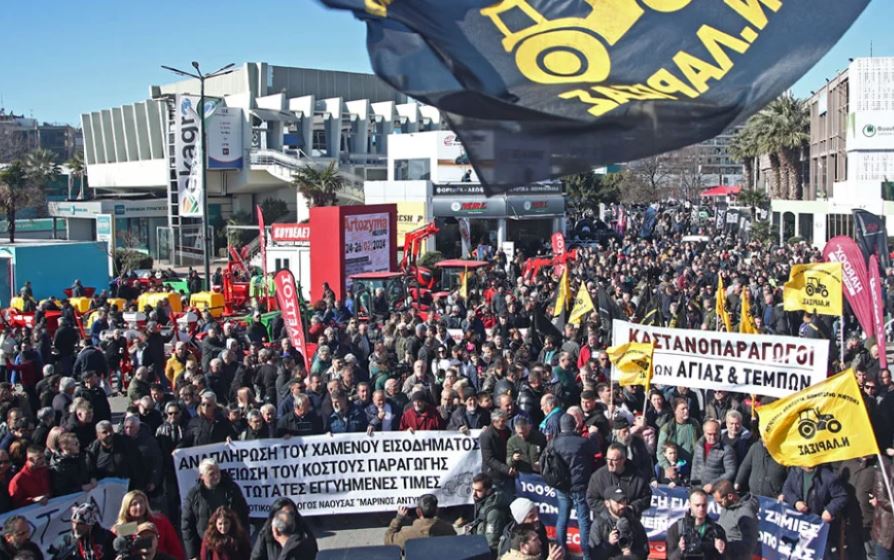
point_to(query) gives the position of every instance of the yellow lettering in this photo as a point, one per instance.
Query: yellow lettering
(752, 11)
(666, 81)
(377, 7)
(624, 93)
(697, 71)
(600, 106)
(713, 38)
(666, 5)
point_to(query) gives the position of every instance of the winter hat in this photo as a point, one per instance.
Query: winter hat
(520, 508)
(86, 513)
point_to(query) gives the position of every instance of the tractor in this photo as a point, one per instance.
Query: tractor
(811, 421)
(815, 286)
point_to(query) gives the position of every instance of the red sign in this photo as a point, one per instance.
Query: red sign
(558, 243)
(290, 233)
(287, 298)
(473, 206)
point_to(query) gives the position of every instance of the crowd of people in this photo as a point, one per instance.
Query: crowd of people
(540, 392)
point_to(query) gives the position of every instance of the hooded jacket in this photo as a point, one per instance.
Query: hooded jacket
(266, 547)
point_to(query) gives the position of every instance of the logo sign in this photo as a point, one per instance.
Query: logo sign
(187, 156)
(290, 233)
(869, 130)
(287, 298)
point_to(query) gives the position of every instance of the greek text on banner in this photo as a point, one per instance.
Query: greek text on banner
(774, 366)
(351, 473)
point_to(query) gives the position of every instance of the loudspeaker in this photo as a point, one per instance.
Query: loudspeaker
(366, 552)
(463, 547)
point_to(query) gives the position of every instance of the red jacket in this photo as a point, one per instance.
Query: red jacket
(28, 484)
(168, 539)
(426, 420)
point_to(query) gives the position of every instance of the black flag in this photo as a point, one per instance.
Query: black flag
(547, 88)
(872, 237)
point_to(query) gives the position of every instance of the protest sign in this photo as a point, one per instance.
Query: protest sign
(53, 520)
(780, 527)
(344, 473)
(774, 366)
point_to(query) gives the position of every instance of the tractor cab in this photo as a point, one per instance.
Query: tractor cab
(451, 273)
(364, 286)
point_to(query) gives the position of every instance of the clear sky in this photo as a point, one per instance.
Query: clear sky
(62, 58)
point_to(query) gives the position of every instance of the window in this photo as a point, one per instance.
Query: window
(281, 264)
(412, 169)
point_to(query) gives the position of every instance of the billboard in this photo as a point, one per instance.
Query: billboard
(870, 130)
(187, 156)
(367, 244)
(410, 215)
(453, 162)
(225, 138)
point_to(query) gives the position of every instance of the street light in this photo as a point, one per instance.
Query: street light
(203, 155)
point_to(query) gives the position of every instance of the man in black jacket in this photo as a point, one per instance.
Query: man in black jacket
(96, 396)
(90, 358)
(111, 455)
(696, 534)
(302, 421)
(577, 454)
(619, 472)
(209, 425)
(615, 531)
(213, 490)
(64, 341)
(493, 451)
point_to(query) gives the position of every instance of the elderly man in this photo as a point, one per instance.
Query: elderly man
(346, 417)
(421, 416)
(714, 460)
(381, 414)
(426, 524)
(209, 425)
(301, 421)
(16, 542)
(214, 489)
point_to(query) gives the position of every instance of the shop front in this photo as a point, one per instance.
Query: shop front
(135, 221)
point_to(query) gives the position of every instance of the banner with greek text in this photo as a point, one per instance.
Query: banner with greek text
(780, 527)
(774, 366)
(53, 520)
(345, 473)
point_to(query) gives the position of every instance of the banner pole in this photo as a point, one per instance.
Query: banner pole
(841, 339)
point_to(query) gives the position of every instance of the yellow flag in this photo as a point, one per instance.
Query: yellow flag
(746, 325)
(464, 284)
(583, 304)
(814, 287)
(721, 305)
(823, 423)
(633, 362)
(563, 296)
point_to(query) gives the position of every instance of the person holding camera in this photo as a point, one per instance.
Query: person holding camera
(615, 531)
(696, 535)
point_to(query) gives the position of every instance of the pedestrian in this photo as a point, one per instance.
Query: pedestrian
(426, 524)
(576, 454)
(696, 535)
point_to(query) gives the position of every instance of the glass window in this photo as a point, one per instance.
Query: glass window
(412, 169)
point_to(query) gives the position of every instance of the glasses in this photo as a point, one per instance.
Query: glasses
(172, 412)
(870, 387)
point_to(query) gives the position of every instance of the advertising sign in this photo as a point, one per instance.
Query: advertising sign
(290, 233)
(774, 366)
(870, 130)
(366, 244)
(225, 138)
(187, 156)
(494, 207)
(453, 163)
(343, 473)
(105, 231)
(290, 307)
(410, 215)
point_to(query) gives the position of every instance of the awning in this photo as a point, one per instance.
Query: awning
(722, 190)
(273, 115)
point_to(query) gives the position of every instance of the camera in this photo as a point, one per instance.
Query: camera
(625, 533)
(128, 542)
(694, 540)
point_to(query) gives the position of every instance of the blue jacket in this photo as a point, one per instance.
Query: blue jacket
(578, 453)
(827, 493)
(353, 421)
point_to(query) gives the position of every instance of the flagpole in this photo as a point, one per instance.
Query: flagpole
(841, 340)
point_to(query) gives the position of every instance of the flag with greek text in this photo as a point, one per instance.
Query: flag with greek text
(547, 88)
(814, 287)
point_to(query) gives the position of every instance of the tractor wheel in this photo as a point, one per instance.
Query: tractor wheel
(834, 426)
(825, 293)
(807, 429)
(809, 290)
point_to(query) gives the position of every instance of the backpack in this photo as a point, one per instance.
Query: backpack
(554, 469)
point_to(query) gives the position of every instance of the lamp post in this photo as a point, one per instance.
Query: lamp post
(203, 155)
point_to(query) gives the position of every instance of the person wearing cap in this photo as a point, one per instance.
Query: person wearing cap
(616, 531)
(577, 453)
(422, 415)
(470, 416)
(426, 524)
(523, 512)
(637, 453)
(619, 472)
(524, 447)
(145, 544)
(88, 540)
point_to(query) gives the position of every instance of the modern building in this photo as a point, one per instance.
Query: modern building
(851, 155)
(269, 121)
(430, 179)
(18, 134)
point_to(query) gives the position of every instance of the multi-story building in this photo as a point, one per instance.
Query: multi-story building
(63, 140)
(18, 134)
(851, 154)
(270, 121)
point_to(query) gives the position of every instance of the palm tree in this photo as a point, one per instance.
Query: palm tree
(319, 186)
(13, 185)
(744, 148)
(782, 132)
(753, 198)
(41, 168)
(78, 170)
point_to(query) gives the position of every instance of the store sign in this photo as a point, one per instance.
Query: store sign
(366, 244)
(472, 189)
(483, 208)
(870, 130)
(410, 216)
(187, 156)
(290, 233)
(105, 231)
(528, 206)
(225, 139)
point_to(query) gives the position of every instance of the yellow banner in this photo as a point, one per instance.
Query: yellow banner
(583, 304)
(410, 216)
(464, 284)
(822, 423)
(814, 287)
(563, 297)
(633, 362)
(747, 325)
(721, 306)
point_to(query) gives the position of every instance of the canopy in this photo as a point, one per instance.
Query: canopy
(722, 190)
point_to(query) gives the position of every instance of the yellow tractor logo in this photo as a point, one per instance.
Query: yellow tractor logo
(811, 421)
(570, 49)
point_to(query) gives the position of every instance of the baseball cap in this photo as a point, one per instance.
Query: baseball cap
(615, 493)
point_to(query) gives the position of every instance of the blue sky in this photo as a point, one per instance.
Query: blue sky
(62, 58)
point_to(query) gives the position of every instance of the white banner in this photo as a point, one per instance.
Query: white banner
(345, 473)
(225, 138)
(774, 366)
(187, 156)
(367, 247)
(53, 520)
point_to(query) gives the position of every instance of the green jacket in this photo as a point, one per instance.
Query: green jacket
(529, 449)
(491, 517)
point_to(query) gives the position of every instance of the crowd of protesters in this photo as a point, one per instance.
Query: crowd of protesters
(526, 382)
